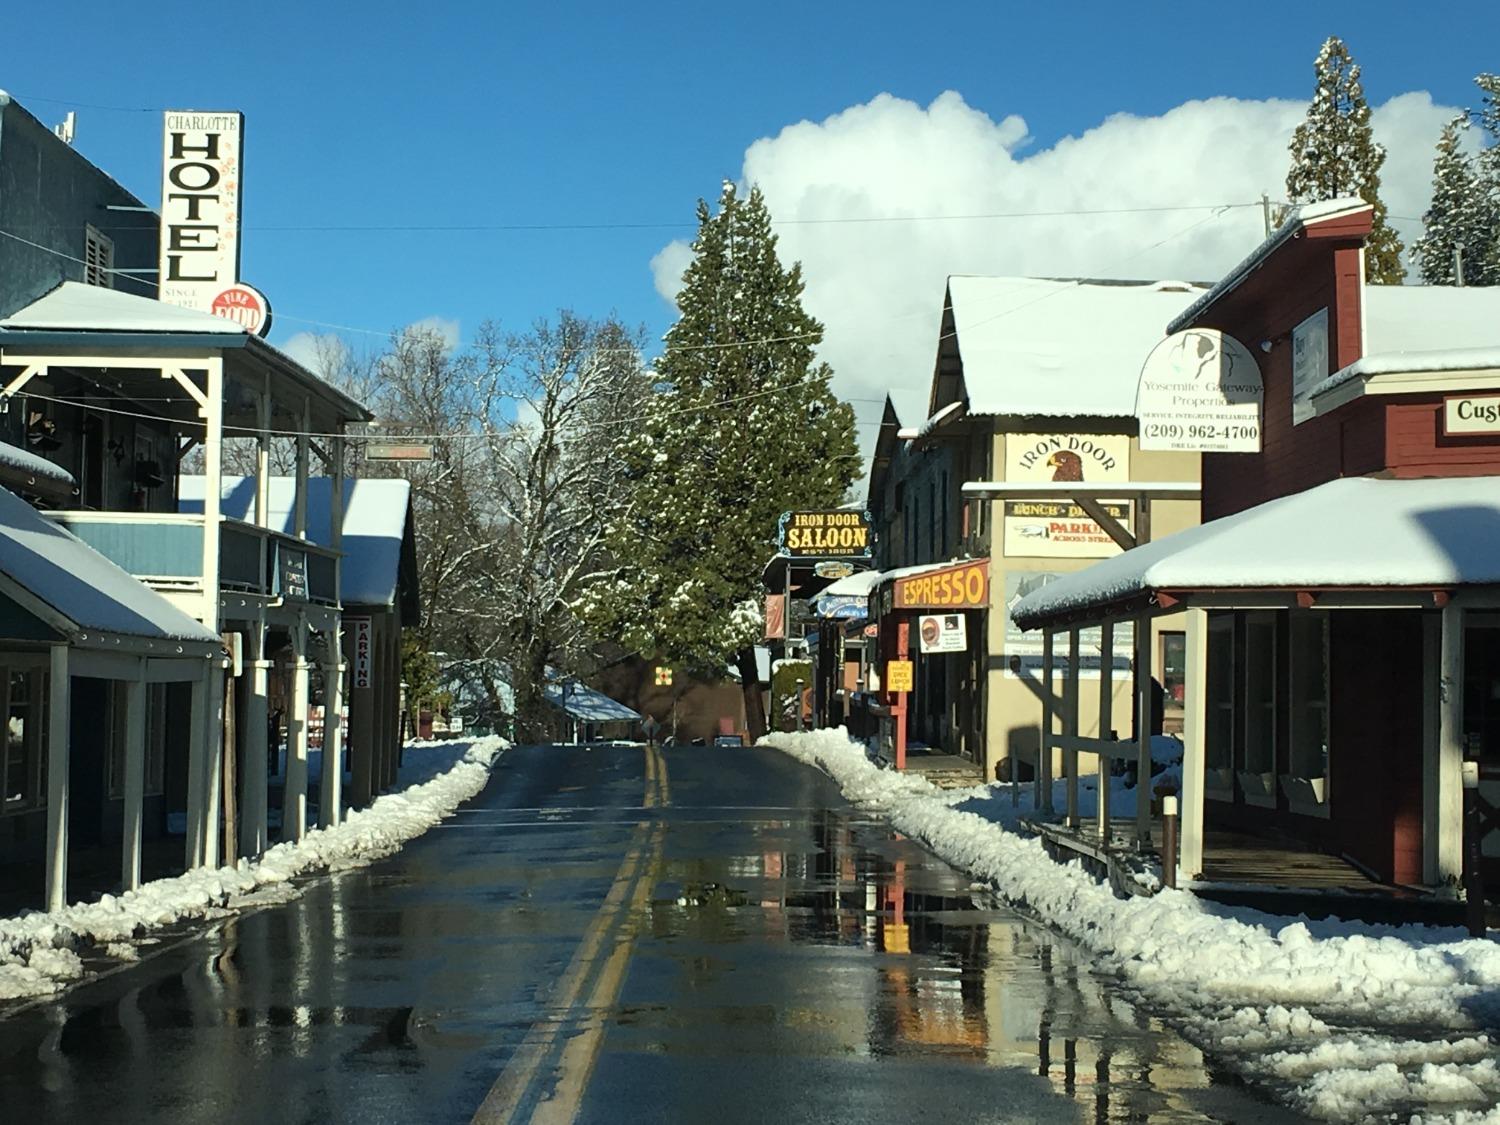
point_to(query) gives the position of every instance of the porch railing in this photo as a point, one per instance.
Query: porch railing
(166, 548)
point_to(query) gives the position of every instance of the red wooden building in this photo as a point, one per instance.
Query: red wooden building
(1343, 634)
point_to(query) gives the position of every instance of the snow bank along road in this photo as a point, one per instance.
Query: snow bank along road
(1346, 1022)
(39, 951)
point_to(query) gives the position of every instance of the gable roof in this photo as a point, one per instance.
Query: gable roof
(379, 539)
(1055, 348)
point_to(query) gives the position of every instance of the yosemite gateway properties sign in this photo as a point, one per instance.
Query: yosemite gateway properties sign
(200, 207)
(824, 535)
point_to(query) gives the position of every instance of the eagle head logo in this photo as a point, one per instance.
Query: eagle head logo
(1065, 465)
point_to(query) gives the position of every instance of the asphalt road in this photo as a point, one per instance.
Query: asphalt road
(619, 935)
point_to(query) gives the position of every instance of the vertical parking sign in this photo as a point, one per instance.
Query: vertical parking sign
(359, 639)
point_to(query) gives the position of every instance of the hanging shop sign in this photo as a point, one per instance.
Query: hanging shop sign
(246, 306)
(942, 632)
(293, 575)
(1022, 654)
(898, 675)
(963, 586)
(1200, 392)
(833, 568)
(842, 607)
(836, 534)
(398, 451)
(1464, 415)
(359, 642)
(200, 207)
(775, 617)
(1309, 362)
(1055, 527)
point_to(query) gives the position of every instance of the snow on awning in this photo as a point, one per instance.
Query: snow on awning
(582, 702)
(82, 587)
(27, 467)
(1433, 362)
(917, 434)
(1046, 348)
(1358, 532)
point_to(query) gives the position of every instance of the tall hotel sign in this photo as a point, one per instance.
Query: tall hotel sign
(200, 207)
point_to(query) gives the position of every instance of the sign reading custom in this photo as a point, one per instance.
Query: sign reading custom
(1200, 391)
(837, 534)
(963, 586)
(1471, 414)
(200, 207)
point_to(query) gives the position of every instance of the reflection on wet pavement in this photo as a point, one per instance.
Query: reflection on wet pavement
(793, 961)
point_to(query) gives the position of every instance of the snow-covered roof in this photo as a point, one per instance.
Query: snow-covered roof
(1400, 363)
(27, 462)
(919, 432)
(583, 702)
(74, 306)
(375, 517)
(1058, 348)
(1297, 220)
(80, 584)
(1355, 532)
(1419, 318)
(857, 585)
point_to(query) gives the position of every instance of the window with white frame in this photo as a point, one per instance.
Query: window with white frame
(1308, 674)
(98, 258)
(22, 767)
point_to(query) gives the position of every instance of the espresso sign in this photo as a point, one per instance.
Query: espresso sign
(965, 586)
(1471, 414)
(839, 535)
(200, 208)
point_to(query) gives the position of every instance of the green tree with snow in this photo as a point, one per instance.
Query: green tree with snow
(1334, 155)
(1488, 168)
(1463, 220)
(744, 426)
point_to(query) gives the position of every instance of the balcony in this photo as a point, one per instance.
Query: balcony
(165, 550)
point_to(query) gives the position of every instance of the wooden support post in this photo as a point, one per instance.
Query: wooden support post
(1195, 747)
(1041, 779)
(213, 782)
(135, 777)
(1442, 784)
(213, 478)
(1143, 729)
(1106, 722)
(197, 805)
(331, 794)
(1070, 727)
(59, 707)
(903, 652)
(294, 803)
(255, 743)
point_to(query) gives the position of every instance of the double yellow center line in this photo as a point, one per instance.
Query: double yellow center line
(616, 924)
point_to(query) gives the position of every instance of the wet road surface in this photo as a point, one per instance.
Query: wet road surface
(617, 935)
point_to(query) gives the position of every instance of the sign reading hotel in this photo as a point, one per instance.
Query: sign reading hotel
(1464, 415)
(359, 641)
(838, 534)
(1200, 392)
(1309, 362)
(962, 586)
(200, 207)
(1059, 528)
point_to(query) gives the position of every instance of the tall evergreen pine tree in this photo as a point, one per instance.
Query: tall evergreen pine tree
(1334, 154)
(744, 427)
(1488, 169)
(1462, 216)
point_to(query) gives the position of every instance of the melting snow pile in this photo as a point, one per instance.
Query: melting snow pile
(38, 951)
(1346, 1021)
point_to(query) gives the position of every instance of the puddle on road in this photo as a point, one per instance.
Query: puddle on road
(916, 966)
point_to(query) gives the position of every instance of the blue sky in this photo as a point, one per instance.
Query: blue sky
(485, 114)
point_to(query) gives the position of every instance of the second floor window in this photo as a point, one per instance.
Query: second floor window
(98, 258)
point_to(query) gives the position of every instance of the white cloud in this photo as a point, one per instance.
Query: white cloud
(878, 286)
(445, 329)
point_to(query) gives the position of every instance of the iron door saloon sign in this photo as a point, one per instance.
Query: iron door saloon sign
(828, 535)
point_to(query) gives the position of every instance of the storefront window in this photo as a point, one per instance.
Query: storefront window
(1257, 774)
(1219, 741)
(25, 740)
(1308, 784)
(1174, 669)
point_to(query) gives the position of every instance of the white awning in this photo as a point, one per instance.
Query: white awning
(1359, 532)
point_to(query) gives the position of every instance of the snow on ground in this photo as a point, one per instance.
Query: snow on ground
(1344, 1021)
(39, 952)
